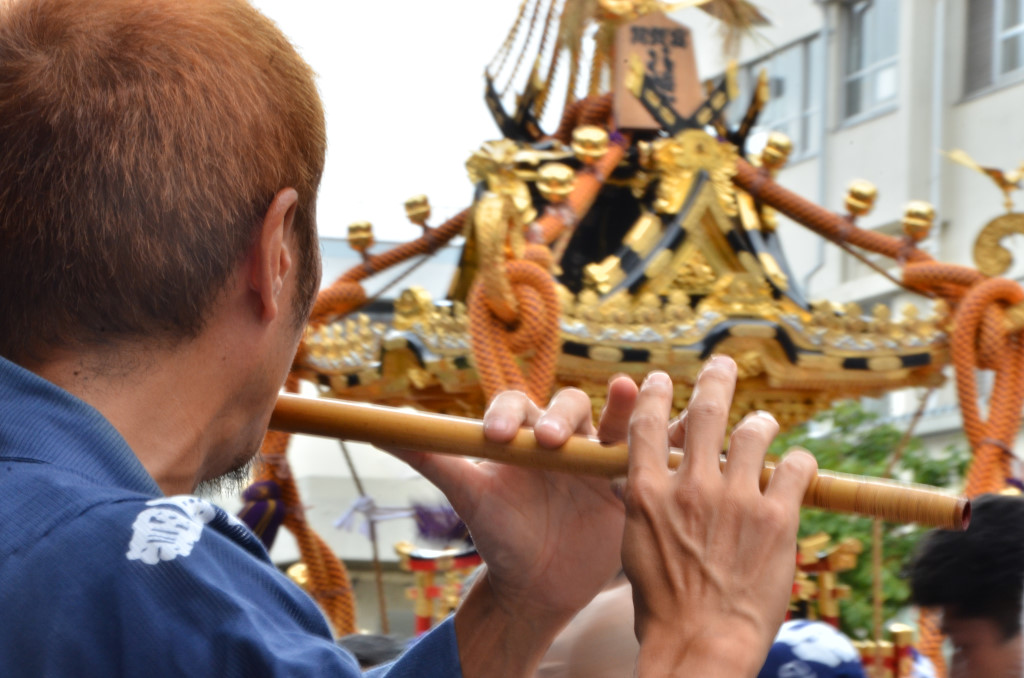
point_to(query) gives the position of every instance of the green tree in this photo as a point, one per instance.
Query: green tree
(852, 440)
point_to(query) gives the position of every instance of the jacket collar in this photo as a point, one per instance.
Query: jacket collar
(44, 423)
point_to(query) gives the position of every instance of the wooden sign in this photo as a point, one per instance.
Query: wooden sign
(665, 48)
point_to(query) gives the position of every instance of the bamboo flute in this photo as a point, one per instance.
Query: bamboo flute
(388, 427)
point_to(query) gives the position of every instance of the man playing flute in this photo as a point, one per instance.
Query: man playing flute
(159, 166)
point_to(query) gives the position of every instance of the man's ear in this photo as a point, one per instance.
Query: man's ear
(270, 259)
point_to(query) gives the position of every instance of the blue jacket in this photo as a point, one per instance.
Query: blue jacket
(102, 575)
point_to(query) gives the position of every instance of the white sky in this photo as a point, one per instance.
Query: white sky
(402, 83)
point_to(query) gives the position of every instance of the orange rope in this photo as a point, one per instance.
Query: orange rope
(584, 192)
(329, 583)
(930, 637)
(346, 294)
(589, 111)
(496, 344)
(980, 338)
(835, 227)
(500, 335)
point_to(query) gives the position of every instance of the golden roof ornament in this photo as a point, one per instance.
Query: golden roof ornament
(860, 197)
(417, 209)
(776, 151)
(360, 237)
(554, 181)
(589, 143)
(773, 158)
(494, 164)
(918, 217)
(494, 158)
(677, 160)
(562, 27)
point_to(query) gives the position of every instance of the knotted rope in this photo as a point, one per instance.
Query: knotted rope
(500, 339)
(329, 583)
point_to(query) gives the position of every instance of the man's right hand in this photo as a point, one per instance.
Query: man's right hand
(711, 558)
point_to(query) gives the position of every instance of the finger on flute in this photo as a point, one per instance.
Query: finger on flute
(392, 428)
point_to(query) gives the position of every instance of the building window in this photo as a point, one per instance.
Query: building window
(995, 43)
(872, 57)
(794, 103)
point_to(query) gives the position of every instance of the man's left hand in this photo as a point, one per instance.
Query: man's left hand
(551, 541)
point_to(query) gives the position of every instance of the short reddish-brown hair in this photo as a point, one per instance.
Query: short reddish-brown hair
(141, 143)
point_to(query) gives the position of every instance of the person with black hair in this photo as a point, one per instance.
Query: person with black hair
(977, 578)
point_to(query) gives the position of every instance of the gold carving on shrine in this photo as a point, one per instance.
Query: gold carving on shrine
(606, 354)
(413, 306)
(773, 158)
(679, 158)
(740, 294)
(749, 364)
(772, 270)
(644, 234)
(990, 256)
(498, 229)
(494, 163)
(603, 276)
(658, 263)
(695, 275)
(886, 362)
(881, 319)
